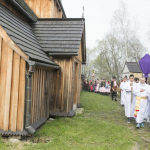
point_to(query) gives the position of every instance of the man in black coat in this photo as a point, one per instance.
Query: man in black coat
(114, 86)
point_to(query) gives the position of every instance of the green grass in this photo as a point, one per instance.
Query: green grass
(101, 127)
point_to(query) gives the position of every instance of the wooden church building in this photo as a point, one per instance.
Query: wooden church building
(41, 54)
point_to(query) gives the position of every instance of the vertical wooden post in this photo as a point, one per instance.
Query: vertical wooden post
(14, 92)
(21, 102)
(76, 84)
(4, 56)
(8, 88)
(52, 9)
(0, 55)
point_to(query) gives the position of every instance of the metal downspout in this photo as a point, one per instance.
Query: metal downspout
(28, 97)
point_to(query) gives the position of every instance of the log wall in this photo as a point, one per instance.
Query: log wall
(43, 93)
(45, 8)
(12, 88)
(64, 99)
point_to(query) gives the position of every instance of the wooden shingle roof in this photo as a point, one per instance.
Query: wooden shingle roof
(21, 33)
(61, 35)
(133, 67)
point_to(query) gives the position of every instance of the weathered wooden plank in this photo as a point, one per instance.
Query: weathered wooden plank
(41, 87)
(52, 9)
(48, 93)
(32, 97)
(43, 94)
(76, 83)
(4, 52)
(63, 83)
(14, 92)
(70, 87)
(73, 79)
(47, 9)
(35, 92)
(59, 88)
(42, 9)
(37, 8)
(21, 101)
(53, 91)
(38, 90)
(0, 55)
(8, 88)
(8, 40)
(55, 9)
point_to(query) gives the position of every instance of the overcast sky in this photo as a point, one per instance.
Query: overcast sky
(98, 14)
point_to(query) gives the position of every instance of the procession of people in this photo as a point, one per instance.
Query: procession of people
(135, 96)
(101, 86)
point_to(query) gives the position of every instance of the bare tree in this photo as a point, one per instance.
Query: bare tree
(121, 44)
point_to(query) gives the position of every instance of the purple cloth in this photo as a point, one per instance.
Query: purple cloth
(144, 64)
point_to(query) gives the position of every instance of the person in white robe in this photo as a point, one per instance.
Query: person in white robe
(147, 112)
(141, 91)
(129, 98)
(123, 92)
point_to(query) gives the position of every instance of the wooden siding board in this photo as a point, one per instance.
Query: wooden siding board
(8, 88)
(70, 87)
(36, 89)
(14, 92)
(21, 102)
(41, 87)
(0, 55)
(35, 93)
(4, 54)
(38, 95)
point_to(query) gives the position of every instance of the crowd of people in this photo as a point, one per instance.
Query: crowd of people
(101, 86)
(135, 96)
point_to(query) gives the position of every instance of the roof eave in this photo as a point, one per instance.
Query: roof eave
(64, 14)
(61, 19)
(63, 54)
(48, 66)
(23, 7)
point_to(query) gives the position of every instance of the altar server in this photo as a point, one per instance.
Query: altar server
(142, 92)
(123, 92)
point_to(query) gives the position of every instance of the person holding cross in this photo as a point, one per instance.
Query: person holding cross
(129, 102)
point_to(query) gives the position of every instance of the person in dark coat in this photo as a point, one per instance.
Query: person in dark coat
(113, 89)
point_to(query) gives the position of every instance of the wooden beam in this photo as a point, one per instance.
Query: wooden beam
(21, 102)
(10, 43)
(8, 89)
(14, 92)
(0, 55)
(4, 56)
